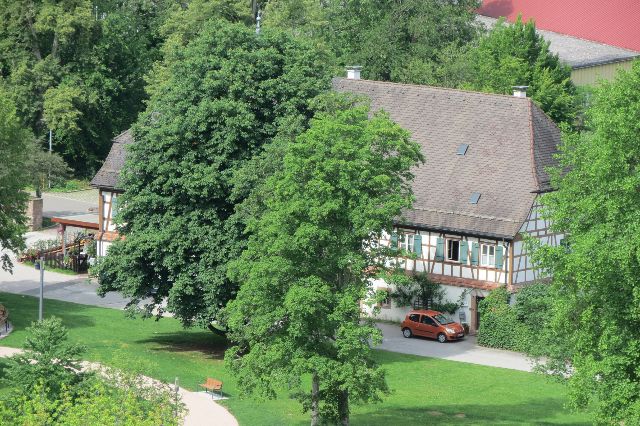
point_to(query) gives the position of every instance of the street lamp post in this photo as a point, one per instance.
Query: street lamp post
(40, 265)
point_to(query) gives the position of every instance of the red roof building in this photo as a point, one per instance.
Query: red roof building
(612, 22)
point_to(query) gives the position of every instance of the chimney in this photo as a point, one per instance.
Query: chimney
(520, 91)
(353, 72)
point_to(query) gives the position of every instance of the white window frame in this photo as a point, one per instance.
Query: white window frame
(405, 242)
(488, 258)
(448, 241)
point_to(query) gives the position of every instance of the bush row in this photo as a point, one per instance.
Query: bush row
(514, 326)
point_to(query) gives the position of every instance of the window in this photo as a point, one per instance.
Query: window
(405, 242)
(453, 250)
(428, 321)
(488, 257)
(414, 317)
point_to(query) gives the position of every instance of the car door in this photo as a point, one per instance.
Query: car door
(428, 326)
(414, 324)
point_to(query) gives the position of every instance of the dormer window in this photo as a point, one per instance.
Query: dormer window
(462, 149)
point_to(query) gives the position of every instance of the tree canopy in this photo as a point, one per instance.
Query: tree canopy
(14, 140)
(396, 41)
(514, 55)
(309, 259)
(77, 67)
(596, 284)
(219, 101)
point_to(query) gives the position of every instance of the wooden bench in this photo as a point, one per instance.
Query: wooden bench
(212, 385)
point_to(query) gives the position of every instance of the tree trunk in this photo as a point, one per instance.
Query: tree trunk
(343, 408)
(315, 397)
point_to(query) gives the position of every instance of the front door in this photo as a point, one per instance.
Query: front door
(428, 326)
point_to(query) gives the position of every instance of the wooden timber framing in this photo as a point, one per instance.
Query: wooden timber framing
(107, 226)
(451, 272)
(517, 268)
(536, 226)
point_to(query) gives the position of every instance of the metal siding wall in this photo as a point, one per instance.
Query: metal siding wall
(591, 75)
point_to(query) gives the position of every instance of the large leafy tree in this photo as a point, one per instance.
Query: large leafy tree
(309, 260)
(221, 98)
(77, 67)
(14, 140)
(392, 40)
(596, 276)
(513, 55)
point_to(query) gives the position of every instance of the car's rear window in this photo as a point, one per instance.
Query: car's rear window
(414, 317)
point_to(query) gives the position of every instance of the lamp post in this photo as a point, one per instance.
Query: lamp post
(40, 265)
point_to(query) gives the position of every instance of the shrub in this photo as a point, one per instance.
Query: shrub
(48, 359)
(499, 325)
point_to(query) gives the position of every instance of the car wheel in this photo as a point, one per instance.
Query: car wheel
(442, 338)
(406, 332)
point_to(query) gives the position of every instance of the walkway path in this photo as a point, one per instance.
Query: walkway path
(466, 350)
(201, 409)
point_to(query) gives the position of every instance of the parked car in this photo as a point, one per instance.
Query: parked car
(434, 324)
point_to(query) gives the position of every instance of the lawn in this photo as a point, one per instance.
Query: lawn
(424, 390)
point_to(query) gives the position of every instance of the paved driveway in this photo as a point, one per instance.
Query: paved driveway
(71, 203)
(69, 288)
(466, 350)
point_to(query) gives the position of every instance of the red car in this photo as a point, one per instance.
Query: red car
(432, 324)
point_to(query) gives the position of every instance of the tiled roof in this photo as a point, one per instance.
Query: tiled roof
(109, 174)
(576, 52)
(511, 142)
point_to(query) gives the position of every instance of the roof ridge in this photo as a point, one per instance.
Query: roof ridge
(425, 86)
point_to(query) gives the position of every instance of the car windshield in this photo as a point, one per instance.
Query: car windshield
(442, 319)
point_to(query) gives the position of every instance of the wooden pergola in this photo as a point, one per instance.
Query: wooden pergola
(85, 221)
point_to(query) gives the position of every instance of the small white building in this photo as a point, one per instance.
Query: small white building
(107, 181)
(477, 194)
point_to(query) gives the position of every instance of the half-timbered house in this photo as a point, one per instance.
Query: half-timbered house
(477, 194)
(107, 181)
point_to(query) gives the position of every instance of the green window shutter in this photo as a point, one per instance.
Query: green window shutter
(394, 240)
(464, 248)
(499, 257)
(440, 249)
(417, 245)
(474, 254)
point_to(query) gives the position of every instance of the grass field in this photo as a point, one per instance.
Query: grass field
(424, 390)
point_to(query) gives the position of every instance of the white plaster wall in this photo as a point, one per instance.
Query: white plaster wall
(398, 313)
(102, 248)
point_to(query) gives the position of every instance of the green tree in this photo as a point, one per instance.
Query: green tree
(113, 397)
(595, 298)
(48, 360)
(227, 94)
(514, 55)
(78, 69)
(43, 167)
(309, 260)
(13, 200)
(392, 40)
